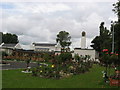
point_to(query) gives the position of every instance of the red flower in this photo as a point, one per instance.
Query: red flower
(111, 53)
(117, 54)
(105, 50)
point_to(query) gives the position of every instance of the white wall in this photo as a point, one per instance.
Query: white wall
(57, 48)
(8, 51)
(85, 52)
(51, 48)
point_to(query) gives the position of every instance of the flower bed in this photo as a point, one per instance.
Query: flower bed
(62, 66)
(58, 71)
(114, 82)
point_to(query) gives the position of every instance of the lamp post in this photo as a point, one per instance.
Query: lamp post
(113, 37)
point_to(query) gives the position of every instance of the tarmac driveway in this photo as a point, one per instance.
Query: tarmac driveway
(16, 65)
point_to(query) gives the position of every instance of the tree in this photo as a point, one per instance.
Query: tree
(116, 36)
(117, 9)
(64, 39)
(9, 38)
(117, 28)
(1, 34)
(103, 41)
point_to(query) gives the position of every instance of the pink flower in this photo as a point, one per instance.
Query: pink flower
(105, 50)
(111, 53)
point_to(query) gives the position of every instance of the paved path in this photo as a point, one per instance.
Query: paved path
(16, 65)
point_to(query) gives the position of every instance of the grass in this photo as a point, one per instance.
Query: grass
(91, 79)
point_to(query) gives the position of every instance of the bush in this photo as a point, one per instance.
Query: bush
(77, 57)
(66, 56)
(46, 57)
(46, 71)
(34, 71)
(4, 54)
(63, 68)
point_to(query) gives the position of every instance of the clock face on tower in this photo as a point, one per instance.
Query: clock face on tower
(83, 33)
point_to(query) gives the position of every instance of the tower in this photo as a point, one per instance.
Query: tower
(83, 40)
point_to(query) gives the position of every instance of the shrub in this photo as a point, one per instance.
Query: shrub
(46, 57)
(34, 71)
(4, 54)
(77, 57)
(66, 56)
(63, 68)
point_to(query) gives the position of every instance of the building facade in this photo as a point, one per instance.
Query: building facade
(43, 47)
(8, 48)
(85, 51)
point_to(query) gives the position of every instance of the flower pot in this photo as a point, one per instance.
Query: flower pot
(117, 72)
(114, 82)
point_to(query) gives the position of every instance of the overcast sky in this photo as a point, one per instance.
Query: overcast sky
(42, 21)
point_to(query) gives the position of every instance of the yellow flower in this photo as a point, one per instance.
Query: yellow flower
(40, 66)
(53, 66)
(41, 71)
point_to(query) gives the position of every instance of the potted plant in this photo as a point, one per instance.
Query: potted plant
(115, 80)
(117, 70)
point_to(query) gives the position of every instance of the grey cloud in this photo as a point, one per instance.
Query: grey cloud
(43, 26)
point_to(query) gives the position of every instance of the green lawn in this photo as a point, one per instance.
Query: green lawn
(91, 79)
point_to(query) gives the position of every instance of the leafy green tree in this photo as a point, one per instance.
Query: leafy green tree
(9, 38)
(103, 41)
(117, 9)
(1, 34)
(96, 43)
(64, 39)
(116, 36)
(117, 28)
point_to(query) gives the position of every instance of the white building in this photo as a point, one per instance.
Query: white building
(85, 51)
(8, 48)
(12, 46)
(45, 47)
